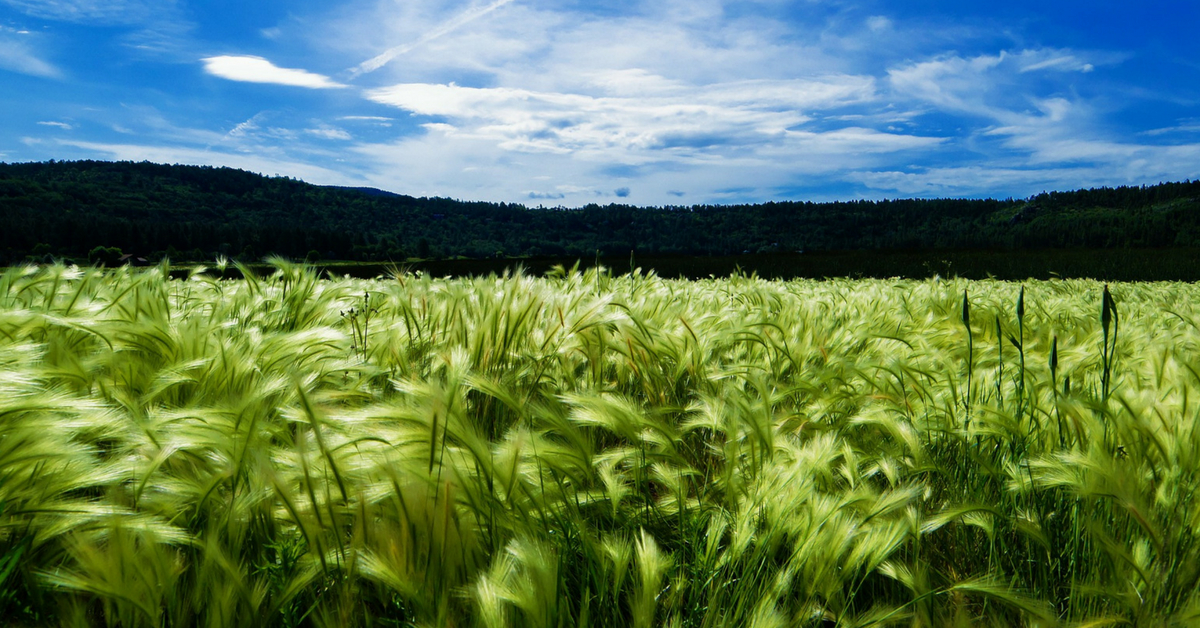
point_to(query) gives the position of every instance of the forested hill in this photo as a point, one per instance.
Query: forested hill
(67, 209)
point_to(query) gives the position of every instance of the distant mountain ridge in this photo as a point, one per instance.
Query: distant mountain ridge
(67, 209)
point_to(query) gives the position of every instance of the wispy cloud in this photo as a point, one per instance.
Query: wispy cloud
(152, 28)
(243, 129)
(975, 180)
(879, 23)
(1063, 165)
(1065, 63)
(948, 82)
(1191, 125)
(986, 84)
(648, 135)
(17, 55)
(1042, 123)
(326, 132)
(380, 121)
(665, 116)
(458, 21)
(251, 69)
(62, 125)
(92, 11)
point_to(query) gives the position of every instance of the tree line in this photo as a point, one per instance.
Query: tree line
(73, 210)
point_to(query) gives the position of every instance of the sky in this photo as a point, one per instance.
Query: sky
(571, 102)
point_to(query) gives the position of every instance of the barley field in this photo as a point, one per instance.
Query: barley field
(587, 449)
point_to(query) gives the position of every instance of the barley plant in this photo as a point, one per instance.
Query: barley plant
(587, 449)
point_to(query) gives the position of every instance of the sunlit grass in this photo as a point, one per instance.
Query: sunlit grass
(591, 449)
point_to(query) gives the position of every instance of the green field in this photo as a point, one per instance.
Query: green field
(586, 449)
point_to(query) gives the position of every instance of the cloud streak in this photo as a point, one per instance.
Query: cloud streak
(92, 11)
(251, 69)
(462, 19)
(16, 55)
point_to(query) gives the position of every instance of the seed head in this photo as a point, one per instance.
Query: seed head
(1053, 356)
(1106, 309)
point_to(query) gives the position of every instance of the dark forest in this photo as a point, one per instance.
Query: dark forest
(97, 211)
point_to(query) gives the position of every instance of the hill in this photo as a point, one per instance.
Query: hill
(67, 209)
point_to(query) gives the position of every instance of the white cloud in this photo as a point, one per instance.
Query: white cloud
(253, 69)
(533, 46)
(62, 125)
(662, 119)
(949, 82)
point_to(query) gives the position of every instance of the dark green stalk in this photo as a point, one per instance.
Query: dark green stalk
(1116, 323)
(433, 442)
(999, 360)
(966, 319)
(1021, 349)
(1105, 322)
(1054, 387)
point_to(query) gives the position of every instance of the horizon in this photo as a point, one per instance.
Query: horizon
(560, 103)
(371, 189)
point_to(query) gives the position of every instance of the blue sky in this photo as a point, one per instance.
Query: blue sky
(567, 102)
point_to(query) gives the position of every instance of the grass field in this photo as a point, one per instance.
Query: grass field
(583, 449)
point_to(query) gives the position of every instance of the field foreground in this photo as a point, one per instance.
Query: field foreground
(584, 449)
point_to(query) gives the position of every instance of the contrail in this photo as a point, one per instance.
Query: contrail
(470, 15)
